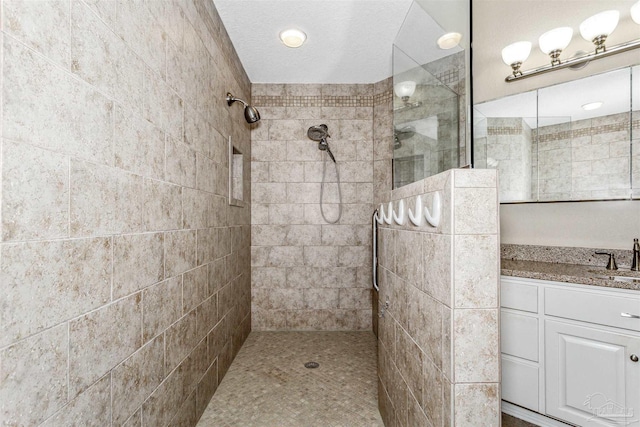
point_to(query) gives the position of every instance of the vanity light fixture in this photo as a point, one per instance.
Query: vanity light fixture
(595, 29)
(293, 37)
(592, 106)
(635, 12)
(405, 90)
(515, 54)
(553, 42)
(449, 40)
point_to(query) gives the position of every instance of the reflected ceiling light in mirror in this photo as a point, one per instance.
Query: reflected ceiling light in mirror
(553, 42)
(405, 90)
(449, 40)
(293, 37)
(635, 12)
(592, 106)
(596, 28)
(515, 54)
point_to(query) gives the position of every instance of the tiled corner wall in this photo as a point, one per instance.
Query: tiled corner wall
(125, 275)
(438, 341)
(308, 274)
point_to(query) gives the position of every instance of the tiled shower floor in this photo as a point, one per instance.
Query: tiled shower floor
(267, 385)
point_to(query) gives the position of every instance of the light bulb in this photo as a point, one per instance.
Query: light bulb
(515, 54)
(596, 28)
(553, 42)
(635, 12)
(293, 37)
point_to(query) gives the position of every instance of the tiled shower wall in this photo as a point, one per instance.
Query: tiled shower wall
(308, 274)
(125, 275)
(438, 341)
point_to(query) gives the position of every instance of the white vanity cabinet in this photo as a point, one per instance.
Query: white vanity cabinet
(586, 371)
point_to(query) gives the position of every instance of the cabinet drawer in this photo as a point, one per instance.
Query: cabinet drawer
(519, 335)
(594, 307)
(520, 382)
(518, 296)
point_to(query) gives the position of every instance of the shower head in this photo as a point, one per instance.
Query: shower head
(251, 114)
(318, 133)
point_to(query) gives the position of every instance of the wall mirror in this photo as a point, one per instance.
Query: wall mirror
(429, 87)
(577, 140)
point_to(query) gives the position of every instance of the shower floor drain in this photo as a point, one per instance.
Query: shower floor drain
(311, 365)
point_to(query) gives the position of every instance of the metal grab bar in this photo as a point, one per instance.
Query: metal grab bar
(374, 250)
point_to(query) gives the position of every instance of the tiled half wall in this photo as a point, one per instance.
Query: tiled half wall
(438, 340)
(125, 289)
(308, 274)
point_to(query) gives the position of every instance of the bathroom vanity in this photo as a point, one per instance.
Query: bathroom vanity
(570, 342)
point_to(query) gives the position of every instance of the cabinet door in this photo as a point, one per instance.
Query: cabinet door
(590, 377)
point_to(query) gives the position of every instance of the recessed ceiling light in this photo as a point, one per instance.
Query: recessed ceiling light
(592, 106)
(449, 40)
(293, 37)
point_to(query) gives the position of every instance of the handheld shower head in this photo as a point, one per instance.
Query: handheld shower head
(318, 133)
(251, 114)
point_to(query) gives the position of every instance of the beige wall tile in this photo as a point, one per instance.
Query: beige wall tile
(43, 27)
(138, 145)
(35, 191)
(90, 408)
(180, 340)
(409, 261)
(195, 288)
(135, 379)
(101, 339)
(162, 206)
(438, 277)
(34, 377)
(476, 279)
(138, 262)
(141, 31)
(63, 113)
(179, 252)
(477, 404)
(196, 208)
(102, 59)
(180, 163)
(34, 274)
(162, 106)
(476, 345)
(476, 211)
(161, 307)
(104, 200)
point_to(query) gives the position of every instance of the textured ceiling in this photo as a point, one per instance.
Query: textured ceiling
(348, 41)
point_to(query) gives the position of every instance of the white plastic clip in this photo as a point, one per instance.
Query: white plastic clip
(389, 217)
(380, 216)
(401, 217)
(417, 218)
(433, 217)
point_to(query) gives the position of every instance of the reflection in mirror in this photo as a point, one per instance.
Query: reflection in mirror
(428, 98)
(635, 132)
(565, 142)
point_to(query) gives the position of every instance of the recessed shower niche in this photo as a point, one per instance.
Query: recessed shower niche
(236, 176)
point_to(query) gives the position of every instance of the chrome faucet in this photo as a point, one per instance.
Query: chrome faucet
(635, 262)
(611, 265)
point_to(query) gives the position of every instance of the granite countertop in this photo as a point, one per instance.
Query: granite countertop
(571, 273)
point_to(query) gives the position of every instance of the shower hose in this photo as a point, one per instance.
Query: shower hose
(324, 175)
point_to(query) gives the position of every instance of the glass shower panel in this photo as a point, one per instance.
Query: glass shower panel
(425, 122)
